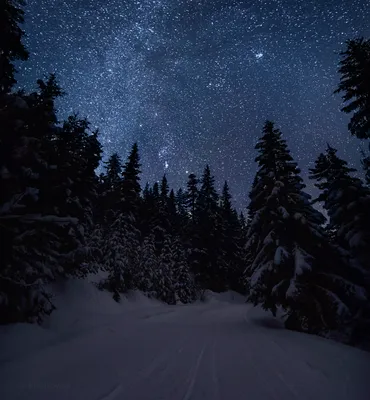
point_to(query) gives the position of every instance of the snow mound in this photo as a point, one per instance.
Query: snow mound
(224, 297)
(80, 307)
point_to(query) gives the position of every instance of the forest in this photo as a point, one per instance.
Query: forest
(59, 219)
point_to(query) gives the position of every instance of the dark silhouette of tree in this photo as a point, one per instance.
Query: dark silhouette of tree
(347, 202)
(131, 182)
(11, 46)
(354, 69)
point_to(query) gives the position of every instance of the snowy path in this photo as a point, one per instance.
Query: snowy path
(210, 351)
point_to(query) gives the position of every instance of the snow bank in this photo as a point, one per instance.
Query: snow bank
(224, 297)
(80, 307)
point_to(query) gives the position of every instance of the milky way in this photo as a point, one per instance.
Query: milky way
(193, 81)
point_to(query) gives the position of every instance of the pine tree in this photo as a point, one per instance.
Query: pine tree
(111, 184)
(242, 222)
(288, 244)
(76, 184)
(119, 255)
(131, 182)
(231, 255)
(130, 208)
(209, 272)
(347, 202)
(155, 191)
(184, 286)
(354, 68)
(164, 190)
(147, 210)
(192, 196)
(182, 215)
(11, 46)
(366, 167)
(161, 219)
(149, 265)
(43, 234)
(113, 168)
(164, 281)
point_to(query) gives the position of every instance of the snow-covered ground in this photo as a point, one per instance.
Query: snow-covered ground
(93, 349)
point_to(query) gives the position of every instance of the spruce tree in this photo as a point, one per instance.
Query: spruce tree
(29, 248)
(79, 153)
(131, 182)
(366, 167)
(148, 269)
(45, 238)
(161, 223)
(164, 281)
(354, 69)
(231, 255)
(182, 215)
(191, 196)
(164, 190)
(172, 214)
(287, 244)
(208, 235)
(11, 46)
(111, 184)
(184, 286)
(347, 202)
(147, 210)
(119, 255)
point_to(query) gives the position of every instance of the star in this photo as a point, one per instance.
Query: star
(193, 82)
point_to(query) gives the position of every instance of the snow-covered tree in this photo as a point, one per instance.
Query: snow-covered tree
(184, 285)
(120, 221)
(164, 280)
(148, 266)
(42, 235)
(75, 184)
(347, 202)
(120, 255)
(287, 242)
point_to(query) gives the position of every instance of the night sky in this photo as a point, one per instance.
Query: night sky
(193, 81)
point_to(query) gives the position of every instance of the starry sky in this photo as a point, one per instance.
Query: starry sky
(193, 81)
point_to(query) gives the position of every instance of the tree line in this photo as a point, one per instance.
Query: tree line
(59, 219)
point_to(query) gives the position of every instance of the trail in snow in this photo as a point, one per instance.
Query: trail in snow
(212, 351)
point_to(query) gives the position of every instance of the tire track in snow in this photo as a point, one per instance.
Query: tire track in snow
(159, 363)
(194, 375)
(215, 379)
(113, 393)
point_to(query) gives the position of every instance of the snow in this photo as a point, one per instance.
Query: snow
(94, 348)
(356, 240)
(257, 274)
(283, 212)
(300, 261)
(292, 289)
(279, 254)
